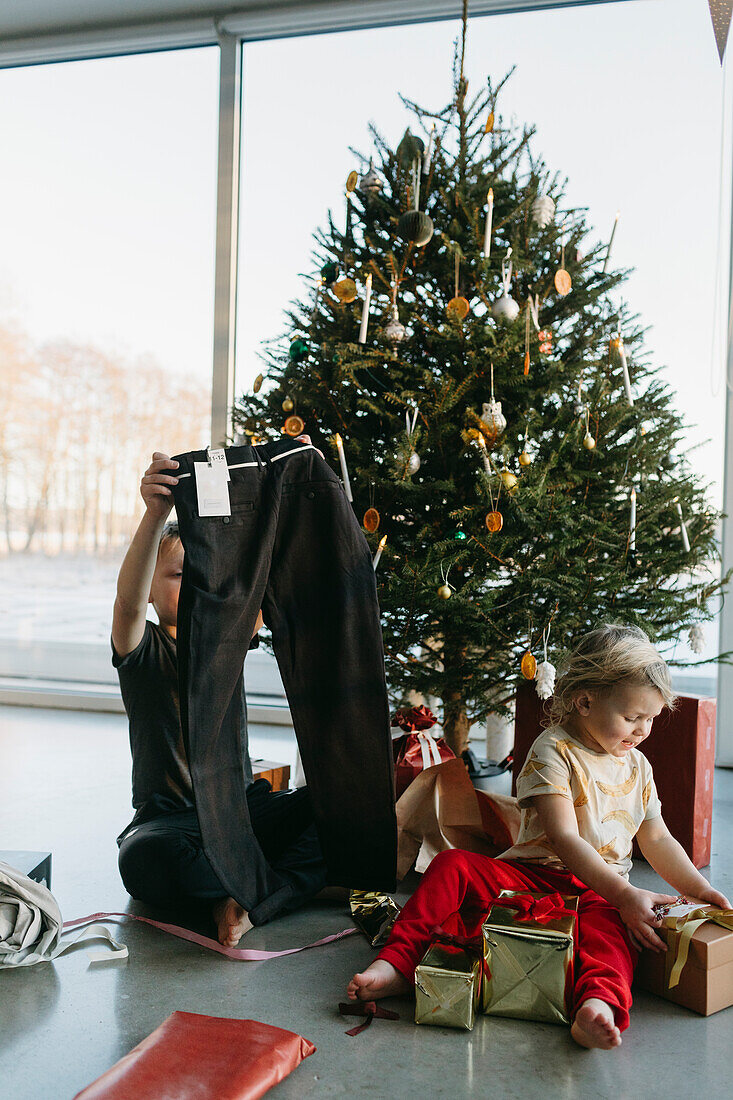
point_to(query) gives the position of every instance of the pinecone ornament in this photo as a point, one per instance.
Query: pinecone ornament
(696, 638)
(545, 680)
(543, 210)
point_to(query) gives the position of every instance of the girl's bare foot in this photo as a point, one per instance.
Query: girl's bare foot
(594, 1025)
(231, 922)
(381, 979)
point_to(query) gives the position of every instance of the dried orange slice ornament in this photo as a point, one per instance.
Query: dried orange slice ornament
(294, 425)
(494, 522)
(529, 666)
(458, 308)
(371, 520)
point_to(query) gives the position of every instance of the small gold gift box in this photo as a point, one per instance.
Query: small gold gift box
(448, 986)
(528, 952)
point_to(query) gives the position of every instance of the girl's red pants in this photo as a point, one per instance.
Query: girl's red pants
(604, 955)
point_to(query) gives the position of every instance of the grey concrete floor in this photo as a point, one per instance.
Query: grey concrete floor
(64, 786)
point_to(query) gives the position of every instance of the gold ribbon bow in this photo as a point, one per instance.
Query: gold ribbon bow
(685, 928)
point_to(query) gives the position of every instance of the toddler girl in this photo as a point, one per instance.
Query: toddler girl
(585, 792)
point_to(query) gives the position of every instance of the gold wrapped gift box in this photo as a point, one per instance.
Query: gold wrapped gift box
(448, 986)
(528, 955)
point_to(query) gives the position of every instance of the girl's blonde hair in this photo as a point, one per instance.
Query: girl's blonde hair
(611, 655)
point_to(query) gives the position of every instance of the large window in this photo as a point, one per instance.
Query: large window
(107, 213)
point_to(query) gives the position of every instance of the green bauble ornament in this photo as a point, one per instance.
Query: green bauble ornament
(330, 272)
(416, 227)
(457, 535)
(298, 349)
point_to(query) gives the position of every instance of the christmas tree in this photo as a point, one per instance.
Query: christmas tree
(510, 446)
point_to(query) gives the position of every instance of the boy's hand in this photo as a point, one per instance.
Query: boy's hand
(639, 917)
(154, 485)
(714, 897)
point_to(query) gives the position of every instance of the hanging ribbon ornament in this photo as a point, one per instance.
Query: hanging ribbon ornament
(505, 309)
(588, 439)
(545, 679)
(563, 282)
(372, 518)
(494, 519)
(458, 307)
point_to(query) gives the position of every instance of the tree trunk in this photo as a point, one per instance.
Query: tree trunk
(456, 726)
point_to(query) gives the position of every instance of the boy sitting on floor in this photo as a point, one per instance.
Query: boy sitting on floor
(161, 858)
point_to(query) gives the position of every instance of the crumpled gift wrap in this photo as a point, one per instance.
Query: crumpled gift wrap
(528, 953)
(373, 914)
(441, 810)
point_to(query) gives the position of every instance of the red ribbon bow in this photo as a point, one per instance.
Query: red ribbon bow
(542, 910)
(370, 1009)
(418, 718)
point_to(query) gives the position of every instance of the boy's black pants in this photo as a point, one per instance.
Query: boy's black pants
(293, 547)
(162, 861)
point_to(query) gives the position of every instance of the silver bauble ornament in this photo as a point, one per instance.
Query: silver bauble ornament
(413, 463)
(370, 184)
(543, 210)
(416, 227)
(505, 309)
(394, 331)
(696, 638)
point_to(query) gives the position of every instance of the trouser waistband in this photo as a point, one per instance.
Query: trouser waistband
(244, 456)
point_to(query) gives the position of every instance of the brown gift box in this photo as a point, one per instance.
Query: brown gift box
(681, 751)
(706, 980)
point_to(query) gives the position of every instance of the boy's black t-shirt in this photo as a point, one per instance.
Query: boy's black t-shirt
(161, 780)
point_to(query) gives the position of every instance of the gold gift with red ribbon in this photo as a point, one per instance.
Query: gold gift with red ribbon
(696, 970)
(448, 980)
(528, 956)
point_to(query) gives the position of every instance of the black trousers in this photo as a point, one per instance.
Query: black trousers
(293, 547)
(162, 862)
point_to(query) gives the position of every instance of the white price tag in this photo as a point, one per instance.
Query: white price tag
(211, 489)
(217, 458)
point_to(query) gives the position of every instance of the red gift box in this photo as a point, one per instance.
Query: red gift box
(681, 751)
(418, 749)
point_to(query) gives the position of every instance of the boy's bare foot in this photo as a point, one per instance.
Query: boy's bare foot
(231, 922)
(381, 979)
(594, 1025)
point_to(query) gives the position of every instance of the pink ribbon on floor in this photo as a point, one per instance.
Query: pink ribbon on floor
(370, 1009)
(241, 954)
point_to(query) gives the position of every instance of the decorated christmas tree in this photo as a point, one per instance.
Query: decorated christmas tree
(464, 358)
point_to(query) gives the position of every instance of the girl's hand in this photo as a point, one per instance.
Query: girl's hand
(714, 897)
(154, 488)
(637, 913)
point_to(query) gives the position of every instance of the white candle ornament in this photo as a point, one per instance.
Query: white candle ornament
(632, 523)
(378, 554)
(489, 222)
(416, 183)
(683, 528)
(610, 243)
(625, 368)
(429, 155)
(344, 469)
(365, 310)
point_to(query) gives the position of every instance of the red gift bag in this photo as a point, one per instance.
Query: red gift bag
(417, 750)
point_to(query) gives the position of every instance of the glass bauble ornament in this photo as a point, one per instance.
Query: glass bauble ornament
(445, 592)
(493, 421)
(394, 331)
(413, 463)
(257, 384)
(330, 272)
(505, 309)
(543, 210)
(371, 520)
(509, 480)
(294, 425)
(416, 227)
(494, 522)
(298, 349)
(588, 441)
(370, 184)
(288, 405)
(345, 290)
(529, 666)
(458, 535)
(525, 459)
(458, 308)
